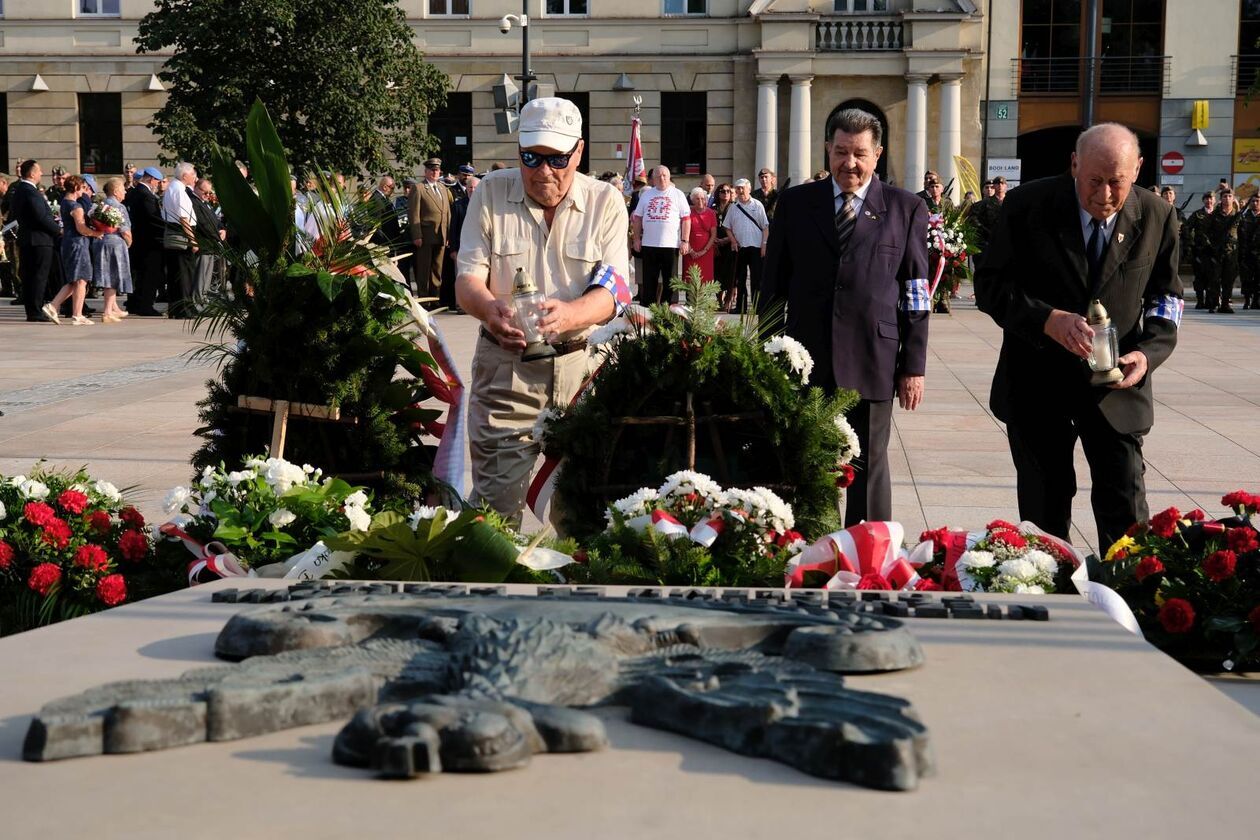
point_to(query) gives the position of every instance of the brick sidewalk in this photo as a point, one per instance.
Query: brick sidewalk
(120, 399)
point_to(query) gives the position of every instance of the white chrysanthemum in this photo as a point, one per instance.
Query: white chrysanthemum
(686, 482)
(1029, 589)
(1018, 568)
(357, 499)
(109, 491)
(358, 518)
(637, 503)
(281, 517)
(977, 560)
(175, 500)
(1045, 564)
(853, 449)
(794, 352)
(762, 506)
(30, 488)
(606, 333)
(539, 433)
(281, 475)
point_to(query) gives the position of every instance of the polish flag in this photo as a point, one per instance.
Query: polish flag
(634, 164)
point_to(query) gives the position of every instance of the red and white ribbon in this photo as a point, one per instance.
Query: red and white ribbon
(667, 525)
(849, 555)
(212, 558)
(448, 463)
(940, 271)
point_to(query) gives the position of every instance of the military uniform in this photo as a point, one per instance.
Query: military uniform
(984, 216)
(1196, 241)
(1224, 237)
(1249, 259)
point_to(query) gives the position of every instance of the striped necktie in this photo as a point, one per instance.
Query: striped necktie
(846, 220)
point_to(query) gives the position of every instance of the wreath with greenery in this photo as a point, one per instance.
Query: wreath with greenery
(678, 389)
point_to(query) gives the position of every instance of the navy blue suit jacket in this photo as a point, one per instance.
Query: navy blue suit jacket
(863, 316)
(29, 208)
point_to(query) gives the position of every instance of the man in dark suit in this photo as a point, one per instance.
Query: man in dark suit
(38, 234)
(1058, 243)
(388, 232)
(849, 255)
(147, 228)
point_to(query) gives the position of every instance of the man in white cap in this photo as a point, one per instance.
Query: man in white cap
(568, 232)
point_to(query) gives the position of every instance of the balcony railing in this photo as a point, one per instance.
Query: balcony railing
(1117, 74)
(1243, 73)
(858, 34)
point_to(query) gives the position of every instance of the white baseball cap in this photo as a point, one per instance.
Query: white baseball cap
(551, 122)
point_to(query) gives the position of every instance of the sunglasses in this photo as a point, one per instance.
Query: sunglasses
(533, 160)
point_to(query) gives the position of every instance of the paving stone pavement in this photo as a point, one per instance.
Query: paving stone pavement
(121, 399)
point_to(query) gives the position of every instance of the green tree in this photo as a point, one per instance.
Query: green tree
(343, 80)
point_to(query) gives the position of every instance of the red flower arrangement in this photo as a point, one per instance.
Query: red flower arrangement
(1193, 583)
(60, 556)
(999, 542)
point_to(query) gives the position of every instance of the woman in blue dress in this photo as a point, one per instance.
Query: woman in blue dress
(76, 258)
(110, 263)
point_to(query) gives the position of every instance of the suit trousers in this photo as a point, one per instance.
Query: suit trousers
(146, 277)
(429, 269)
(181, 281)
(1042, 445)
(36, 264)
(747, 260)
(506, 396)
(658, 270)
(869, 497)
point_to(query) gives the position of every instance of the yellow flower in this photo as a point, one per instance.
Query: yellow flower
(1159, 598)
(1125, 544)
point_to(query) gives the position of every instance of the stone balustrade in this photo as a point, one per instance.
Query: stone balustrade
(859, 34)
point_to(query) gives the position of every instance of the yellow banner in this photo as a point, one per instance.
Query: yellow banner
(968, 178)
(1247, 154)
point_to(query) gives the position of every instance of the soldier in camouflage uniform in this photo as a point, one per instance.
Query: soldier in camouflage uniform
(1249, 253)
(1196, 244)
(1225, 243)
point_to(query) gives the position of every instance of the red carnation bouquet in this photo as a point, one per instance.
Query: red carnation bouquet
(69, 546)
(1193, 583)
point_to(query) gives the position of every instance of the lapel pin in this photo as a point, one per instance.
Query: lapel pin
(1119, 237)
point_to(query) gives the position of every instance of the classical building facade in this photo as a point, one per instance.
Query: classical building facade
(722, 86)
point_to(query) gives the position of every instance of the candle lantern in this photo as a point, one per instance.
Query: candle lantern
(527, 301)
(1103, 357)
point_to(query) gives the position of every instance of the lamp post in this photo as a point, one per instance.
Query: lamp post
(505, 26)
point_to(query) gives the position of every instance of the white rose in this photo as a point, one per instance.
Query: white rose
(281, 517)
(109, 491)
(176, 499)
(236, 477)
(36, 490)
(282, 475)
(358, 518)
(308, 469)
(421, 514)
(357, 499)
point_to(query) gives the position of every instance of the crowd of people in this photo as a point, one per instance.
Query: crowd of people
(139, 236)
(1221, 240)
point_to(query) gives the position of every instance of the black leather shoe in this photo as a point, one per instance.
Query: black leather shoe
(39, 318)
(1226, 310)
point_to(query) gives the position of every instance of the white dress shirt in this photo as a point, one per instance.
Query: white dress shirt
(176, 204)
(1108, 226)
(859, 195)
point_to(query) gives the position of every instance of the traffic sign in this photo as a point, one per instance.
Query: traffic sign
(1172, 162)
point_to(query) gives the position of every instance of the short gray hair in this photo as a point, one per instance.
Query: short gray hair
(182, 168)
(703, 194)
(855, 121)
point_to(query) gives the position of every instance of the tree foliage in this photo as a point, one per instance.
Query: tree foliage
(343, 80)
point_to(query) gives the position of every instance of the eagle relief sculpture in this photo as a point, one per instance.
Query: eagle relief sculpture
(437, 679)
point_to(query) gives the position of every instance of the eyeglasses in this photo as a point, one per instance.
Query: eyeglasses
(533, 160)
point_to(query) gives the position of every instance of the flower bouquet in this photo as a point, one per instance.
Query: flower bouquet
(436, 544)
(1004, 557)
(69, 546)
(55, 208)
(268, 518)
(951, 239)
(105, 218)
(1193, 583)
(691, 532)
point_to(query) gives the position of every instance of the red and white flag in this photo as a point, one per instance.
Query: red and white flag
(634, 166)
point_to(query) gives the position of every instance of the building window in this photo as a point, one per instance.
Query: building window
(684, 132)
(452, 126)
(1248, 48)
(100, 133)
(568, 7)
(98, 8)
(859, 6)
(582, 99)
(1132, 46)
(445, 8)
(1050, 49)
(686, 7)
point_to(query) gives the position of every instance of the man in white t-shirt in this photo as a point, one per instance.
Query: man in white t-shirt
(749, 226)
(662, 226)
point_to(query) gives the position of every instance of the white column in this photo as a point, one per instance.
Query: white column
(951, 130)
(798, 137)
(767, 123)
(916, 133)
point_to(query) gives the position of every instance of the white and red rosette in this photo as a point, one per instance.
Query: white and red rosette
(864, 550)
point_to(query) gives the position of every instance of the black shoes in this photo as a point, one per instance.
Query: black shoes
(39, 318)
